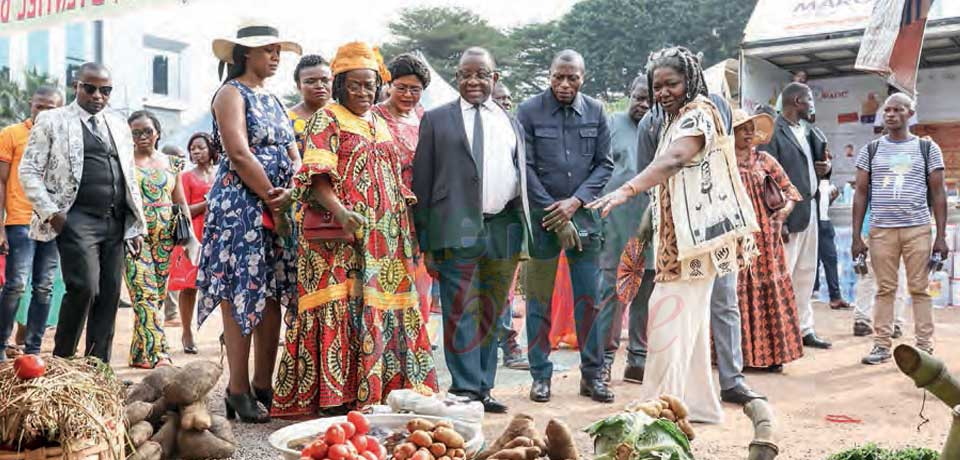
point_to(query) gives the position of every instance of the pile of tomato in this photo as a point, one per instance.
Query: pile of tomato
(346, 441)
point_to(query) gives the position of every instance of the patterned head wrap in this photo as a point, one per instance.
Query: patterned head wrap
(359, 55)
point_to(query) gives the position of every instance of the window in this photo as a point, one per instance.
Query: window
(38, 51)
(161, 75)
(76, 50)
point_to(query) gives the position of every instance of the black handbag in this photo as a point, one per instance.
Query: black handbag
(181, 229)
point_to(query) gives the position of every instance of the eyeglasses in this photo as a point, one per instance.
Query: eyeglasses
(357, 88)
(481, 75)
(145, 132)
(90, 89)
(415, 91)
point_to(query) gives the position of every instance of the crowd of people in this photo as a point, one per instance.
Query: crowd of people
(345, 219)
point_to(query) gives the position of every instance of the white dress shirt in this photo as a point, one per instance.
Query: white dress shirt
(101, 128)
(501, 181)
(800, 134)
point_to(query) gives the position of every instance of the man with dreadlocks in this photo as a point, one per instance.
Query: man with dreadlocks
(691, 250)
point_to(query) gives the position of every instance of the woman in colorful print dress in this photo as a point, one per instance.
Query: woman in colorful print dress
(147, 272)
(196, 184)
(248, 266)
(358, 334)
(315, 83)
(402, 112)
(768, 311)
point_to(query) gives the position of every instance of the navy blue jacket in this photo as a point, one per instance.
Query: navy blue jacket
(568, 153)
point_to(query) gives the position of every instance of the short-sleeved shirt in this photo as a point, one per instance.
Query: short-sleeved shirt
(13, 140)
(898, 182)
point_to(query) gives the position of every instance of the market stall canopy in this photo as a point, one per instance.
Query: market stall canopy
(21, 15)
(823, 37)
(724, 78)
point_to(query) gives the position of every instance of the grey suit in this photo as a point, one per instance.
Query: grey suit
(476, 255)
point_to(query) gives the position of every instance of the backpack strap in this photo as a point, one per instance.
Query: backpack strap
(872, 148)
(925, 146)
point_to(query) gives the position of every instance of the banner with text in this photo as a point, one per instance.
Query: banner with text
(21, 15)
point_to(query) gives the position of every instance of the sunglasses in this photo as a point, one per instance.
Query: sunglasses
(138, 133)
(91, 89)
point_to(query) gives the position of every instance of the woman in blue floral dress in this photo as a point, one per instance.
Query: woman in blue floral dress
(248, 262)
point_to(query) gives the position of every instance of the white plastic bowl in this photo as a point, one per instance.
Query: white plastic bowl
(397, 422)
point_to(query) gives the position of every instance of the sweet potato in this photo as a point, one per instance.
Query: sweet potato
(136, 412)
(449, 437)
(192, 383)
(676, 405)
(141, 392)
(419, 424)
(438, 449)
(216, 443)
(686, 428)
(517, 453)
(421, 438)
(195, 417)
(560, 445)
(669, 415)
(404, 451)
(148, 451)
(521, 425)
(166, 436)
(140, 433)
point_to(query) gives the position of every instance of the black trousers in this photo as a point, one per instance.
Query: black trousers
(91, 254)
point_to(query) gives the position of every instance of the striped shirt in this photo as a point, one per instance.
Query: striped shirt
(898, 182)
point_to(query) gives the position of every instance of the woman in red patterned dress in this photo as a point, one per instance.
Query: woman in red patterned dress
(771, 328)
(183, 274)
(402, 112)
(357, 333)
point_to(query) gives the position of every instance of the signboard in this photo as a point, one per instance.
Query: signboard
(779, 19)
(760, 83)
(20, 15)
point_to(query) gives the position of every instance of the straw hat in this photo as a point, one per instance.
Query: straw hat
(252, 35)
(762, 125)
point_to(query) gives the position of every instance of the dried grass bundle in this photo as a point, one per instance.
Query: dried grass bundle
(75, 404)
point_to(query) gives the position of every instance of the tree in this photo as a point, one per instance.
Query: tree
(442, 34)
(15, 99)
(535, 46)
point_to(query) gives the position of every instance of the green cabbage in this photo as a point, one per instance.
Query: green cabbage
(637, 436)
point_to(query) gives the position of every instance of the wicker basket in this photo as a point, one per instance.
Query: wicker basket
(91, 451)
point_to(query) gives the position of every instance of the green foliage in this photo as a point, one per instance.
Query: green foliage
(614, 36)
(638, 436)
(15, 99)
(873, 452)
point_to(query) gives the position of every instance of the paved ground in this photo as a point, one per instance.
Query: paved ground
(822, 383)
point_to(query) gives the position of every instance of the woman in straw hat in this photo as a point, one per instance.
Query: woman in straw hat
(248, 262)
(359, 333)
(768, 311)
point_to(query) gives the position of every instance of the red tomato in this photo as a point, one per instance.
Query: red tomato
(335, 435)
(369, 456)
(338, 452)
(348, 429)
(359, 421)
(378, 448)
(316, 450)
(352, 453)
(360, 442)
(29, 367)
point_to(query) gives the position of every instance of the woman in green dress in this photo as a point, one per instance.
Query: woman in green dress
(148, 271)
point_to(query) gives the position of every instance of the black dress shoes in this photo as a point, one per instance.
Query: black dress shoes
(633, 374)
(811, 340)
(492, 406)
(597, 390)
(740, 395)
(540, 391)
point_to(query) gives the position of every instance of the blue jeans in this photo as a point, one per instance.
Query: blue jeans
(28, 257)
(827, 255)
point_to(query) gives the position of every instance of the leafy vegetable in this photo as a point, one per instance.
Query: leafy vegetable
(637, 436)
(874, 452)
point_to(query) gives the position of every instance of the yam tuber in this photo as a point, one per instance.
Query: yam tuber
(160, 377)
(676, 405)
(136, 412)
(560, 445)
(166, 436)
(521, 425)
(159, 408)
(216, 443)
(421, 438)
(148, 451)
(686, 428)
(195, 417)
(521, 441)
(141, 392)
(449, 438)
(140, 433)
(419, 424)
(192, 383)
(518, 453)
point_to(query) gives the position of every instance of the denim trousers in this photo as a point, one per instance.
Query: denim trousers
(28, 261)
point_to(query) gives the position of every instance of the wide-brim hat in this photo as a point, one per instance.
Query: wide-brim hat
(762, 125)
(253, 35)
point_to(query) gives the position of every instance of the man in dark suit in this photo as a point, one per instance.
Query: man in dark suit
(472, 219)
(802, 157)
(568, 165)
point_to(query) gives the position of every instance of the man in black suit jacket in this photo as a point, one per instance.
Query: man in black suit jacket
(802, 157)
(472, 219)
